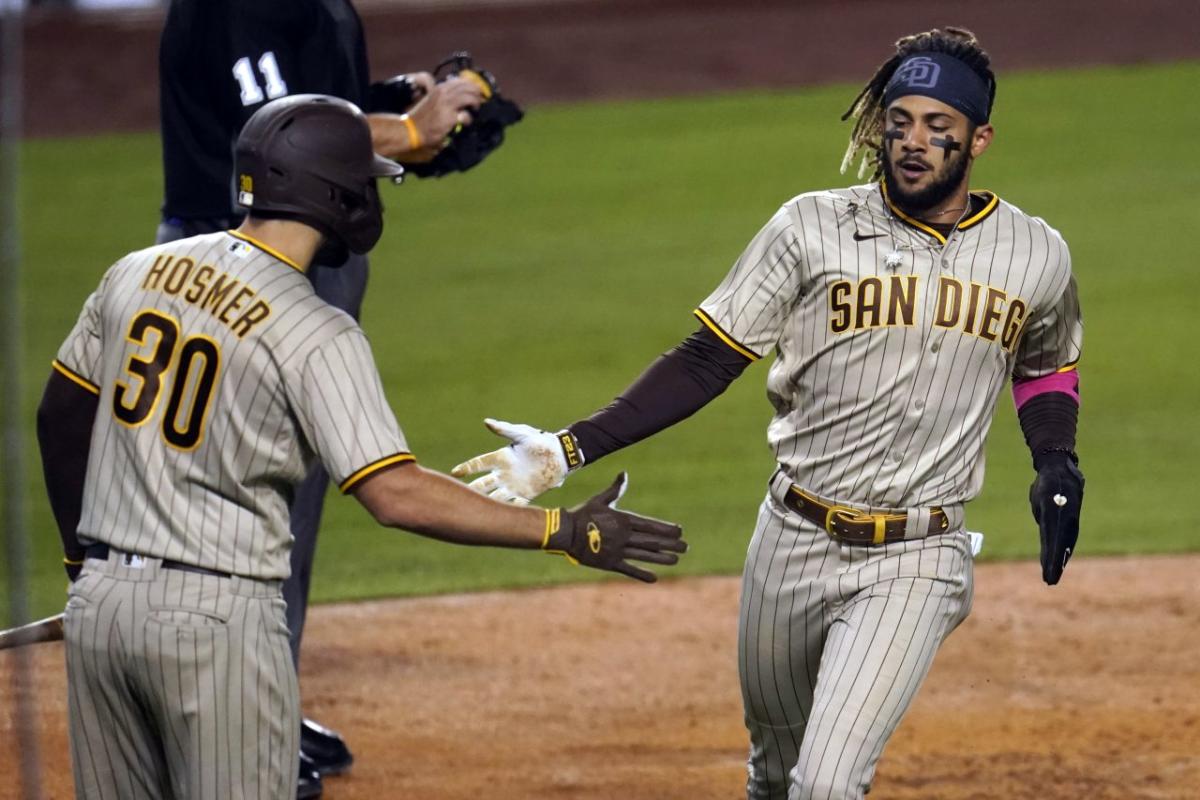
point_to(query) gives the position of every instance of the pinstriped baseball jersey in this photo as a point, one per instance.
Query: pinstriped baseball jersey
(893, 342)
(220, 376)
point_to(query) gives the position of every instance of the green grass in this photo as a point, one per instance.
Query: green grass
(536, 287)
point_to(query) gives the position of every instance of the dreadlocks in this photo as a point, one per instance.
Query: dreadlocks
(867, 108)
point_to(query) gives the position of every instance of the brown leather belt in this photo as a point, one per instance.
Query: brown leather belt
(852, 526)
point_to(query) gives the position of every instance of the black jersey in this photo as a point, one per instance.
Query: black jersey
(220, 60)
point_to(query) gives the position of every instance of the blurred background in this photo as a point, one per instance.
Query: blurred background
(660, 135)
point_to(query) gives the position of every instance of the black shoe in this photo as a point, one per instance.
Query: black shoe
(324, 748)
(308, 784)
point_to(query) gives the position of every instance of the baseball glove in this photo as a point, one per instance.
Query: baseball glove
(470, 144)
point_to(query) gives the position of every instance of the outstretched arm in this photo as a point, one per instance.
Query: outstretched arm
(678, 384)
(595, 534)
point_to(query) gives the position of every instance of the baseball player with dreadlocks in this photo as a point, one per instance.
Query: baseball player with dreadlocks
(897, 312)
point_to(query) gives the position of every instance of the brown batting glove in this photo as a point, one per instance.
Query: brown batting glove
(597, 534)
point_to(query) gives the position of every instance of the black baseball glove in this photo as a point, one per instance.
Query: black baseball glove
(1056, 497)
(597, 534)
(472, 143)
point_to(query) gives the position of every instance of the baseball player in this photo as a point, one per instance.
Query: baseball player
(896, 311)
(219, 62)
(201, 381)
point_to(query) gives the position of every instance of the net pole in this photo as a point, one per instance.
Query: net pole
(13, 425)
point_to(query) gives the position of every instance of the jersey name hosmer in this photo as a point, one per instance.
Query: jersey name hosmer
(985, 311)
(205, 287)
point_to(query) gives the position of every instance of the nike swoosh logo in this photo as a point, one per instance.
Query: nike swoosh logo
(858, 237)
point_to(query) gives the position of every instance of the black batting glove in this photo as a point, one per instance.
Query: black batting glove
(597, 534)
(1056, 498)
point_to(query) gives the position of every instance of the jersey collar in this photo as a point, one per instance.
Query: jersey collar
(991, 201)
(268, 250)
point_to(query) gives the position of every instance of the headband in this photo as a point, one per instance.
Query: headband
(942, 77)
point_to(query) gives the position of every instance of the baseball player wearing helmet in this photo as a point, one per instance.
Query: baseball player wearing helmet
(219, 62)
(897, 311)
(201, 381)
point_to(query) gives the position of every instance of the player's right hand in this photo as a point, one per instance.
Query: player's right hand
(446, 106)
(533, 462)
(597, 534)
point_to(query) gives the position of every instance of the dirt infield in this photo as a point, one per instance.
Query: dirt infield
(625, 692)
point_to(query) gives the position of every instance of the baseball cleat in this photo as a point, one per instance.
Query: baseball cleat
(325, 749)
(308, 783)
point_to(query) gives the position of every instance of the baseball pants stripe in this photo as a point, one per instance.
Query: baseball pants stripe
(181, 685)
(834, 642)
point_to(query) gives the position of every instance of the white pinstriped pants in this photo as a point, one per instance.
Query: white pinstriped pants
(833, 643)
(180, 685)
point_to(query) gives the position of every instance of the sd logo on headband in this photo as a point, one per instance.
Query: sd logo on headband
(918, 72)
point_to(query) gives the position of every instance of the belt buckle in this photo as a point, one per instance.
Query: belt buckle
(878, 522)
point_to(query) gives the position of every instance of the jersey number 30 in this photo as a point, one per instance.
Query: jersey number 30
(191, 368)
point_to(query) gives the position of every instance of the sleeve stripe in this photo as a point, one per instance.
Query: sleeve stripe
(75, 378)
(371, 469)
(724, 337)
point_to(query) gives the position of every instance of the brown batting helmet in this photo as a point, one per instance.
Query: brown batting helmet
(309, 157)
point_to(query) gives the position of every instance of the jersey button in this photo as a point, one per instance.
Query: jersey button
(919, 404)
(933, 348)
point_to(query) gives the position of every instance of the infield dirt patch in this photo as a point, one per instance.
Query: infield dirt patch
(622, 692)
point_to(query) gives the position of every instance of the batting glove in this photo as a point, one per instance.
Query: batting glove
(534, 462)
(597, 534)
(1056, 497)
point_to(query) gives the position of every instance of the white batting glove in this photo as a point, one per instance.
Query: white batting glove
(534, 462)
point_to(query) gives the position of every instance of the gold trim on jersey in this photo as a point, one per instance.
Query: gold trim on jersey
(724, 337)
(265, 248)
(987, 209)
(992, 202)
(1069, 367)
(66, 372)
(348, 484)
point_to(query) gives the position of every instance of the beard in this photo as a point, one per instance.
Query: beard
(922, 200)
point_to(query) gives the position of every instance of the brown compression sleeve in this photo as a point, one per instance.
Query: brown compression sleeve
(678, 384)
(1048, 421)
(64, 428)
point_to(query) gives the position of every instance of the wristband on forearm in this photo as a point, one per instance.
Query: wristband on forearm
(571, 450)
(1049, 422)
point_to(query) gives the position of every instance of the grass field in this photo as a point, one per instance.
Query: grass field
(538, 286)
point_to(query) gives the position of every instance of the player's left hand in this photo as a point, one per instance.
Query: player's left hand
(1056, 497)
(534, 462)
